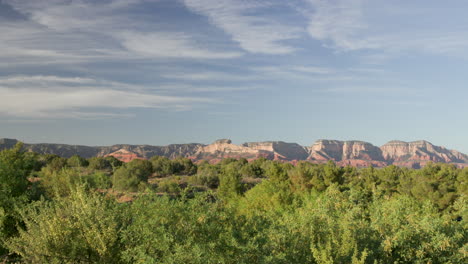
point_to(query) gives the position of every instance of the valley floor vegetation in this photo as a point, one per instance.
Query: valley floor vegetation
(99, 210)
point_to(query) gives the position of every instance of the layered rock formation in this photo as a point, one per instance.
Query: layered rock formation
(276, 150)
(124, 155)
(144, 151)
(355, 153)
(280, 150)
(418, 153)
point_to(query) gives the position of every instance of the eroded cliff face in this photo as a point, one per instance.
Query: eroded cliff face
(419, 153)
(223, 148)
(146, 151)
(275, 150)
(354, 153)
(324, 150)
(280, 150)
(124, 155)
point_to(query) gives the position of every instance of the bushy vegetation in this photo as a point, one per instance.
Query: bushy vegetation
(55, 210)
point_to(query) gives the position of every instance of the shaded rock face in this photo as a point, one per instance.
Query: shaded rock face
(147, 151)
(144, 151)
(62, 150)
(354, 153)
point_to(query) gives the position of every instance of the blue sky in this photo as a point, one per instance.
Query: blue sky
(178, 71)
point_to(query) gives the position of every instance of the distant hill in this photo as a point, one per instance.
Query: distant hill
(354, 153)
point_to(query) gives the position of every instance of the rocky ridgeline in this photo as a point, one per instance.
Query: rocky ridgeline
(354, 153)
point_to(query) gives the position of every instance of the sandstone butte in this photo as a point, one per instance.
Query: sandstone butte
(354, 153)
(124, 155)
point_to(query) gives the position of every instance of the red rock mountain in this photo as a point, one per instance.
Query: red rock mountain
(124, 155)
(276, 150)
(418, 153)
(355, 153)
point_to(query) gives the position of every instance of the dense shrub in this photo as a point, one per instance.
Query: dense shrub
(80, 228)
(15, 168)
(170, 186)
(307, 213)
(77, 161)
(129, 176)
(207, 175)
(99, 163)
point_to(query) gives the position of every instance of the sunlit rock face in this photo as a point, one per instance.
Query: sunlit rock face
(275, 150)
(223, 148)
(280, 150)
(353, 153)
(419, 153)
(124, 155)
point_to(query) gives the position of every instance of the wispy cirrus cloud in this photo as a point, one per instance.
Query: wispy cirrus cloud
(47, 79)
(198, 76)
(79, 31)
(253, 32)
(63, 97)
(339, 22)
(353, 25)
(170, 45)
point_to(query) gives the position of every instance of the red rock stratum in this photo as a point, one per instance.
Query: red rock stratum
(354, 153)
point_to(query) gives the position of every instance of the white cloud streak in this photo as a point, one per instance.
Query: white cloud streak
(170, 45)
(254, 33)
(351, 25)
(21, 97)
(62, 31)
(337, 21)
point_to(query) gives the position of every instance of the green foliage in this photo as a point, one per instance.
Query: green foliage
(77, 161)
(129, 176)
(307, 213)
(99, 163)
(15, 167)
(252, 169)
(207, 175)
(98, 180)
(143, 167)
(170, 186)
(162, 166)
(415, 232)
(114, 162)
(61, 183)
(80, 228)
(56, 164)
(301, 176)
(230, 184)
(172, 231)
(337, 228)
(183, 166)
(435, 182)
